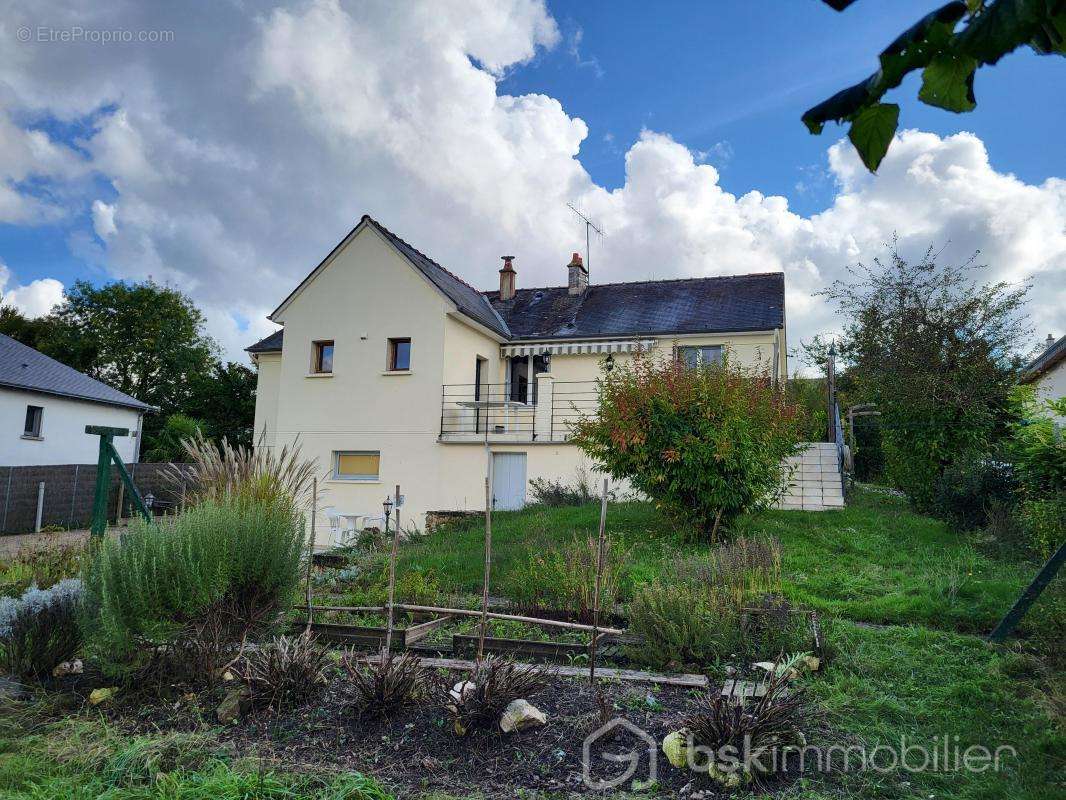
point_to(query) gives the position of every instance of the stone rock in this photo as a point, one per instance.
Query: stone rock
(521, 715)
(675, 747)
(459, 692)
(771, 667)
(74, 667)
(233, 705)
(813, 663)
(98, 696)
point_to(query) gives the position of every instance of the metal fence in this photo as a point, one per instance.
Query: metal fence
(61, 495)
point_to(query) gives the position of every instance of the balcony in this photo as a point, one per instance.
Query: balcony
(500, 413)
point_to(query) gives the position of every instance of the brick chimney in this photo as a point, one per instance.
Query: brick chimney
(507, 278)
(579, 276)
(1049, 342)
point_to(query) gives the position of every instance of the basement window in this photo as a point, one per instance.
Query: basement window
(356, 465)
(34, 417)
(399, 358)
(322, 358)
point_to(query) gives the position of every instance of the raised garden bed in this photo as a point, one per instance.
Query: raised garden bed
(372, 637)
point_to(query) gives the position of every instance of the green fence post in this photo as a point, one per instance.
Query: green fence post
(103, 486)
(135, 496)
(103, 473)
(1028, 597)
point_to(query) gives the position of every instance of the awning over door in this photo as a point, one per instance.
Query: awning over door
(576, 348)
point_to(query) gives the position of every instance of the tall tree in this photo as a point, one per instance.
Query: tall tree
(948, 56)
(21, 328)
(223, 399)
(143, 339)
(934, 349)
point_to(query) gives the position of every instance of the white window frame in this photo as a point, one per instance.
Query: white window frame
(338, 476)
(700, 354)
(39, 432)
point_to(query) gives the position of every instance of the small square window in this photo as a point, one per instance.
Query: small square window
(399, 355)
(34, 417)
(702, 356)
(322, 358)
(357, 465)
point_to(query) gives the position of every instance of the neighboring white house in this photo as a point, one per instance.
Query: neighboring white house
(45, 406)
(1047, 372)
(393, 370)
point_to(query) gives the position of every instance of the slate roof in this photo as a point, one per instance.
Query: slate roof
(1045, 361)
(642, 308)
(270, 344)
(22, 367)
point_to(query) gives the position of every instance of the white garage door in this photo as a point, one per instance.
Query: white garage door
(508, 481)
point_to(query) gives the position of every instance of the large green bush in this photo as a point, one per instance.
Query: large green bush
(199, 581)
(971, 488)
(706, 443)
(931, 347)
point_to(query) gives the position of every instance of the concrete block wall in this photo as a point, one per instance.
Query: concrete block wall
(815, 483)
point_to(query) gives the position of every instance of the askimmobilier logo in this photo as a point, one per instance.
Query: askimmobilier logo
(621, 752)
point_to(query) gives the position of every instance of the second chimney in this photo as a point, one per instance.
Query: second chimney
(579, 276)
(507, 278)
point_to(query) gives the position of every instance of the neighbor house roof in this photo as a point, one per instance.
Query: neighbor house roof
(23, 368)
(691, 305)
(1052, 355)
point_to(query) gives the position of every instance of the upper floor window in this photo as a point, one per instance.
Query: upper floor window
(399, 359)
(34, 417)
(702, 355)
(322, 358)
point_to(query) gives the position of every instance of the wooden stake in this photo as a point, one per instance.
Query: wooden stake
(310, 551)
(488, 561)
(596, 592)
(392, 584)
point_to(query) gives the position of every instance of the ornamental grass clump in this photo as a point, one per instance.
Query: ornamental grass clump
(734, 738)
(705, 443)
(39, 630)
(190, 589)
(285, 672)
(384, 684)
(478, 702)
(259, 475)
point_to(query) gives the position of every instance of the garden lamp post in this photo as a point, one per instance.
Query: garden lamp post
(387, 508)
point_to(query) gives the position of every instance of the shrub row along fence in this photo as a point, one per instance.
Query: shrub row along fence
(67, 498)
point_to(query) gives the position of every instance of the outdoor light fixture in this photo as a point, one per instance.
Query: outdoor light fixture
(547, 356)
(387, 506)
(609, 362)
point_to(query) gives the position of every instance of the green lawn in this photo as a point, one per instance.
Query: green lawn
(903, 599)
(874, 561)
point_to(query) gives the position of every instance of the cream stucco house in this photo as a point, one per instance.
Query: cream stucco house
(393, 370)
(1047, 372)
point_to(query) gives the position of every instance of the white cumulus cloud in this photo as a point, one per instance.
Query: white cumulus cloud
(251, 143)
(34, 299)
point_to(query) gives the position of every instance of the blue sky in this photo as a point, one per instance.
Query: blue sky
(732, 79)
(229, 158)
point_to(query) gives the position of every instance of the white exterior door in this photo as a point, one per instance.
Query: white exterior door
(508, 481)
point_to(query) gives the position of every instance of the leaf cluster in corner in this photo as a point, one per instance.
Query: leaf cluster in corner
(948, 60)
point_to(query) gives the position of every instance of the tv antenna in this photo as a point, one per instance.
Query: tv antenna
(589, 225)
